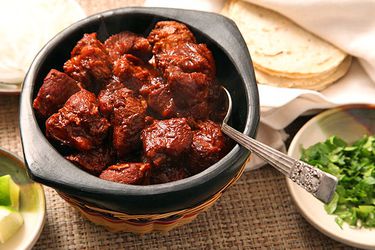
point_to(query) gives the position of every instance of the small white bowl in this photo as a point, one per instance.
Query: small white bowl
(350, 123)
(32, 203)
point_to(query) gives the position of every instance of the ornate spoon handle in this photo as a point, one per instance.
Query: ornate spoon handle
(320, 184)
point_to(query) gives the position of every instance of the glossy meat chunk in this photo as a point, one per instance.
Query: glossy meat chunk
(188, 89)
(189, 71)
(108, 97)
(56, 89)
(113, 84)
(167, 104)
(172, 31)
(93, 161)
(167, 174)
(133, 72)
(166, 140)
(127, 114)
(126, 173)
(208, 146)
(184, 97)
(198, 111)
(128, 43)
(159, 98)
(90, 63)
(188, 58)
(88, 40)
(78, 123)
(128, 120)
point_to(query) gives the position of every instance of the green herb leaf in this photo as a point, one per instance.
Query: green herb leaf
(354, 166)
(331, 207)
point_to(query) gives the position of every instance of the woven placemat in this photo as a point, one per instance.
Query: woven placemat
(256, 212)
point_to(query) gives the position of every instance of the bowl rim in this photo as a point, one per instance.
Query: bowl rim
(28, 119)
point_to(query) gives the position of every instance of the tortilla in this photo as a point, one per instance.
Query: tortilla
(280, 47)
(313, 83)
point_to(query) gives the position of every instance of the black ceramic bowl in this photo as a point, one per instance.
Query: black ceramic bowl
(234, 69)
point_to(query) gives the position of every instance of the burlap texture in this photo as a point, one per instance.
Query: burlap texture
(257, 212)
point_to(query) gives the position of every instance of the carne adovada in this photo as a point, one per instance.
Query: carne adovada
(137, 110)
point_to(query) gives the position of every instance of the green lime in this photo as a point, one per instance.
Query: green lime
(10, 222)
(9, 192)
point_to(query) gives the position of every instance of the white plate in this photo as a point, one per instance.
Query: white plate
(350, 124)
(32, 204)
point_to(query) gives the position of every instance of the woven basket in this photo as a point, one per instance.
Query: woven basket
(140, 224)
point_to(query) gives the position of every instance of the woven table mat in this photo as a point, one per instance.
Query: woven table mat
(256, 212)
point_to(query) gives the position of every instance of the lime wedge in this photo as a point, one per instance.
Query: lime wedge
(9, 192)
(10, 222)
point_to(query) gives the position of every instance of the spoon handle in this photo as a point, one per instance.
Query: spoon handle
(320, 184)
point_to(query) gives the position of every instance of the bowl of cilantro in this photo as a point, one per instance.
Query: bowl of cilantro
(340, 141)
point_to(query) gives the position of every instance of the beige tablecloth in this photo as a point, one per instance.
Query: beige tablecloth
(256, 212)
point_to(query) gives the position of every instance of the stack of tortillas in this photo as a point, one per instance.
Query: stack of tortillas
(283, 53)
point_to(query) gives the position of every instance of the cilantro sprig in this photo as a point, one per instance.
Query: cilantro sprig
(354, 166)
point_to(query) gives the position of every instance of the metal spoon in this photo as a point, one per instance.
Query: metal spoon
(320, 184)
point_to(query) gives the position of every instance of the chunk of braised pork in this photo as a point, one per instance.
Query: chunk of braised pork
(107, 97)
(133, 72)
(126, 173)
(188, 58)
(173, 31)
(159, 98)
(93, 161)
(128, 43)
(167, 174)
(190, 93)
(188, 68)
(128, 121)
(127, 113)
(56, 89)
(88, 40)
(90, 63)
(166, 141)
(208, 146)
(78, 123)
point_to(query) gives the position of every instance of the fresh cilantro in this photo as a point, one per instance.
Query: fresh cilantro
(354, 166)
